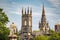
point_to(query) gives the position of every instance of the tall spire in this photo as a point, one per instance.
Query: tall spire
(44, 25)
(43, 10)
(43, 19)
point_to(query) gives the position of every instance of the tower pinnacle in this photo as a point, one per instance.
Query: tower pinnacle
(22, 11)
(31, 10)
(25, 10)
(28, 10)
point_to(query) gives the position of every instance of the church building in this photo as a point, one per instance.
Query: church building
(26, 29)
(43, 25)
(57, 27)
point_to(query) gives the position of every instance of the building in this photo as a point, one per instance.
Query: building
(36, 33)
(26, 29)
(57, 27)
(13, 28)
(13, 31)
(43, 25)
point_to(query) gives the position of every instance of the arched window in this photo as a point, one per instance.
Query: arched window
(25, 22)
(29, 23)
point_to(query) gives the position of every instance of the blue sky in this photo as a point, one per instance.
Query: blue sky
(13, 10)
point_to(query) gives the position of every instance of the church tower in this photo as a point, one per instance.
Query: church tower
(43, 25)
(26, 29)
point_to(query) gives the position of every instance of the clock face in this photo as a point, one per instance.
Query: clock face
(25, 23)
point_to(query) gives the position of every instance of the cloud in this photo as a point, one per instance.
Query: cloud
(56, 9)
(55, 2)
(13, 9)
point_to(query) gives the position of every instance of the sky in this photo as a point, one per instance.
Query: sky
(13, 8)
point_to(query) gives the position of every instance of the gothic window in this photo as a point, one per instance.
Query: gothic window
(29, 23)
(25, 22)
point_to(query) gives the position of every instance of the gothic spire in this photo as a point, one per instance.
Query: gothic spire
(43, 10)
(43, 19)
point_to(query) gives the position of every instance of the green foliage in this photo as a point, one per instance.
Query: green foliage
(41, 38)
(53, 36)
(4, 31)
(3, 17)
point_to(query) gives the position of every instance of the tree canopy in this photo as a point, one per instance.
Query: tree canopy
(53, 36)
(4, 31)
(40, 38)
(3, 17)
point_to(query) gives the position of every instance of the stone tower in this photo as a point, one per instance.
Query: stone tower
(43, 25)
(26, 29)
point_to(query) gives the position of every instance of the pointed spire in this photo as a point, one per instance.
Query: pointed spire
(43, 19)
(43, 10)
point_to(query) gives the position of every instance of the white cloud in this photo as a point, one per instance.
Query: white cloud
(55, 2)
(36, 10)
(36, 14)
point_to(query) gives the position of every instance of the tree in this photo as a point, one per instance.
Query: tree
(54, 36)
(3, 17)
(41, 38)
(4, 31)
